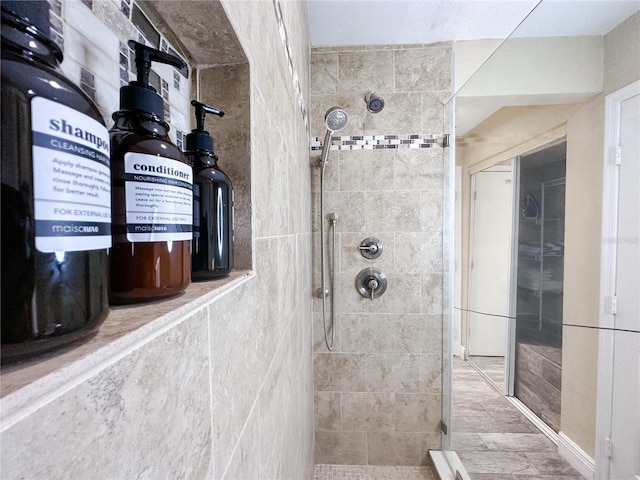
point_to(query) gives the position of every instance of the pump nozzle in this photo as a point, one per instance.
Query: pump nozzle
(139, 95)
(145, 55)
(199, 138)
(201, 111)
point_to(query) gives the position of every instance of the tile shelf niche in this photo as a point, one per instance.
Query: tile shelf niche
(123, 331)
(224, 82)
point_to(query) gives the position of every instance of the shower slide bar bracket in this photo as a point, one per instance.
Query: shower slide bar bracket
(335, 120)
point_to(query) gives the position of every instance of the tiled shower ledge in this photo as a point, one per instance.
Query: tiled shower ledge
(30, 384)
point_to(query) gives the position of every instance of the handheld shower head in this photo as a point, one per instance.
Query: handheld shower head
(335, 119)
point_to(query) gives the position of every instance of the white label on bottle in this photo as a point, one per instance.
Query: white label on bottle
(196, 211)
(71, 179)
(159, 198)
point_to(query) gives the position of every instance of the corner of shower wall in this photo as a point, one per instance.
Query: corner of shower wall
(228, 87)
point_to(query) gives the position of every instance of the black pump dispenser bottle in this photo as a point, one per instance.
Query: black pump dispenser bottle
(212, 255)
(56, 204)
(152, 193)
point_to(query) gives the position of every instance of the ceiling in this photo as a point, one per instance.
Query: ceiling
(392, 22)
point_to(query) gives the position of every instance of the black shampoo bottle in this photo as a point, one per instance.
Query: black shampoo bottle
(56, 201)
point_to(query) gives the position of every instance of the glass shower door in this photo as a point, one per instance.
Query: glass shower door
(446, 460)
(448, 219)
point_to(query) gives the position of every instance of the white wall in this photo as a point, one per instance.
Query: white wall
(519, 75)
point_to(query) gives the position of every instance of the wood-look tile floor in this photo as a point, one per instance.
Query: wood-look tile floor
(494, 440)
(492, 367)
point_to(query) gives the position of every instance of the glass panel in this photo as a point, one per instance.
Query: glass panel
(535, 89)
(448, 176)
(511, 105)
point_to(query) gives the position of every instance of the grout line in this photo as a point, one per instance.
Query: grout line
(211, 386)
(295, 79)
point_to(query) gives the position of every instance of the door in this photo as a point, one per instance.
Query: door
(490, 260)
(619, 361)
(625, 421)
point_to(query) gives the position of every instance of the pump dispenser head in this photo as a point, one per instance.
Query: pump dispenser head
(199, 138)
(139, 95)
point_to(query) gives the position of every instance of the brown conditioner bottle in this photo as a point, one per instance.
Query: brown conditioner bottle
(152, 193)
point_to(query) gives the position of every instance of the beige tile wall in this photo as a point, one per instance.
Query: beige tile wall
(145, 416)
(378, 394)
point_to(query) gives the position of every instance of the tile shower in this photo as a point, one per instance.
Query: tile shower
(218, 370)
(378, 394)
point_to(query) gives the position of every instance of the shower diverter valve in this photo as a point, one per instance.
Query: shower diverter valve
(371, 283)
(370, 248)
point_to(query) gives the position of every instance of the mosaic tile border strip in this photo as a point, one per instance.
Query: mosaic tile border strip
(56, 31)
(294, 74)
(127, 14)
(379, 142)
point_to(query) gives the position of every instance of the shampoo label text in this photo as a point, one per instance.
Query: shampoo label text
(71, 179)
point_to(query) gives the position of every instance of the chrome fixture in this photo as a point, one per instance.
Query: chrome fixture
(375, 104)
(322, 294)
(335, 120)
(370, 248)
(371, 283)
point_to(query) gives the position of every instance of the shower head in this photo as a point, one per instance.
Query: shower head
(335, 119)
(375, 103)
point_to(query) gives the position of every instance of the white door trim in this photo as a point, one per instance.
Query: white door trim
(458, 348)
(610, 192)
(576, 457)
(510, 359)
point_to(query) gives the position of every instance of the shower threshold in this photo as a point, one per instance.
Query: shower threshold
(448, 465)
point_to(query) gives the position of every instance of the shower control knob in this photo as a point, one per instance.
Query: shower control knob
(371, 283)
(370, 248)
